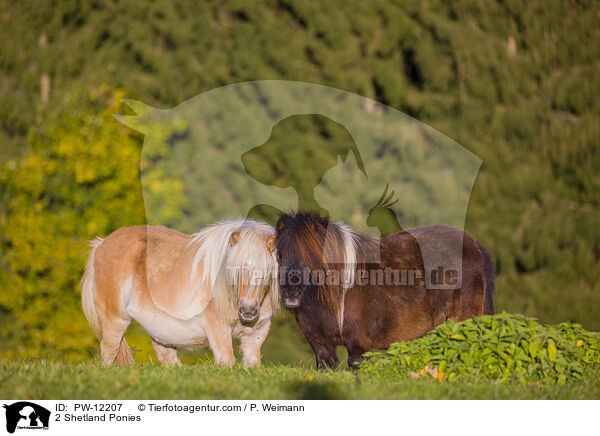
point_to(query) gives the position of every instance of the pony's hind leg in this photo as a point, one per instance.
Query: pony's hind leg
(125, 356)
(166, 355)
(113, 343)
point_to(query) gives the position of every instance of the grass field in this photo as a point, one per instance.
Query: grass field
(203, 380)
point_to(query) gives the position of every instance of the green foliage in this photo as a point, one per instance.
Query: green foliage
(501, 347)
(80, 180)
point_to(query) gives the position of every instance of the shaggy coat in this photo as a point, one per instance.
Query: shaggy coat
(361, 314)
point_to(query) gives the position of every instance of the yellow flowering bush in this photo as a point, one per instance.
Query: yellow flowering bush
(81, 179)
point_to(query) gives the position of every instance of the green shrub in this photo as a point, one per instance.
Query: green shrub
(80, 180)
(501, 347)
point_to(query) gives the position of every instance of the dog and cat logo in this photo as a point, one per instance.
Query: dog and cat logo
(26, 415)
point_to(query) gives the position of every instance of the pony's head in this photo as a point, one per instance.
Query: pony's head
(252, 270)
(314, 253)
(239, 263)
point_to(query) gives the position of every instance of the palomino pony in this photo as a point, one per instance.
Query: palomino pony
(184, 290)
(377, 295)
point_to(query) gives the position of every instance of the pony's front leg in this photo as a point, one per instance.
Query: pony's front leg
(251, 344)
(325, 355)
(219, 340)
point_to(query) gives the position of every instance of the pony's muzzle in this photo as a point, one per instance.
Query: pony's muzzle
(291, 302)
(248, 314)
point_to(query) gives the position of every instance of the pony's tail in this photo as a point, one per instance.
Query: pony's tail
(489, 269)
(88, 293)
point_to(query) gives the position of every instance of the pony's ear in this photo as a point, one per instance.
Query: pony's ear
(234, 238)
(271, 243)
(279, 226)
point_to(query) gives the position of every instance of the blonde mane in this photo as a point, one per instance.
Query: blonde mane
(220, 260)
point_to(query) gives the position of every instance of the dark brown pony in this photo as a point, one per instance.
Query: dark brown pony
(380, 295)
